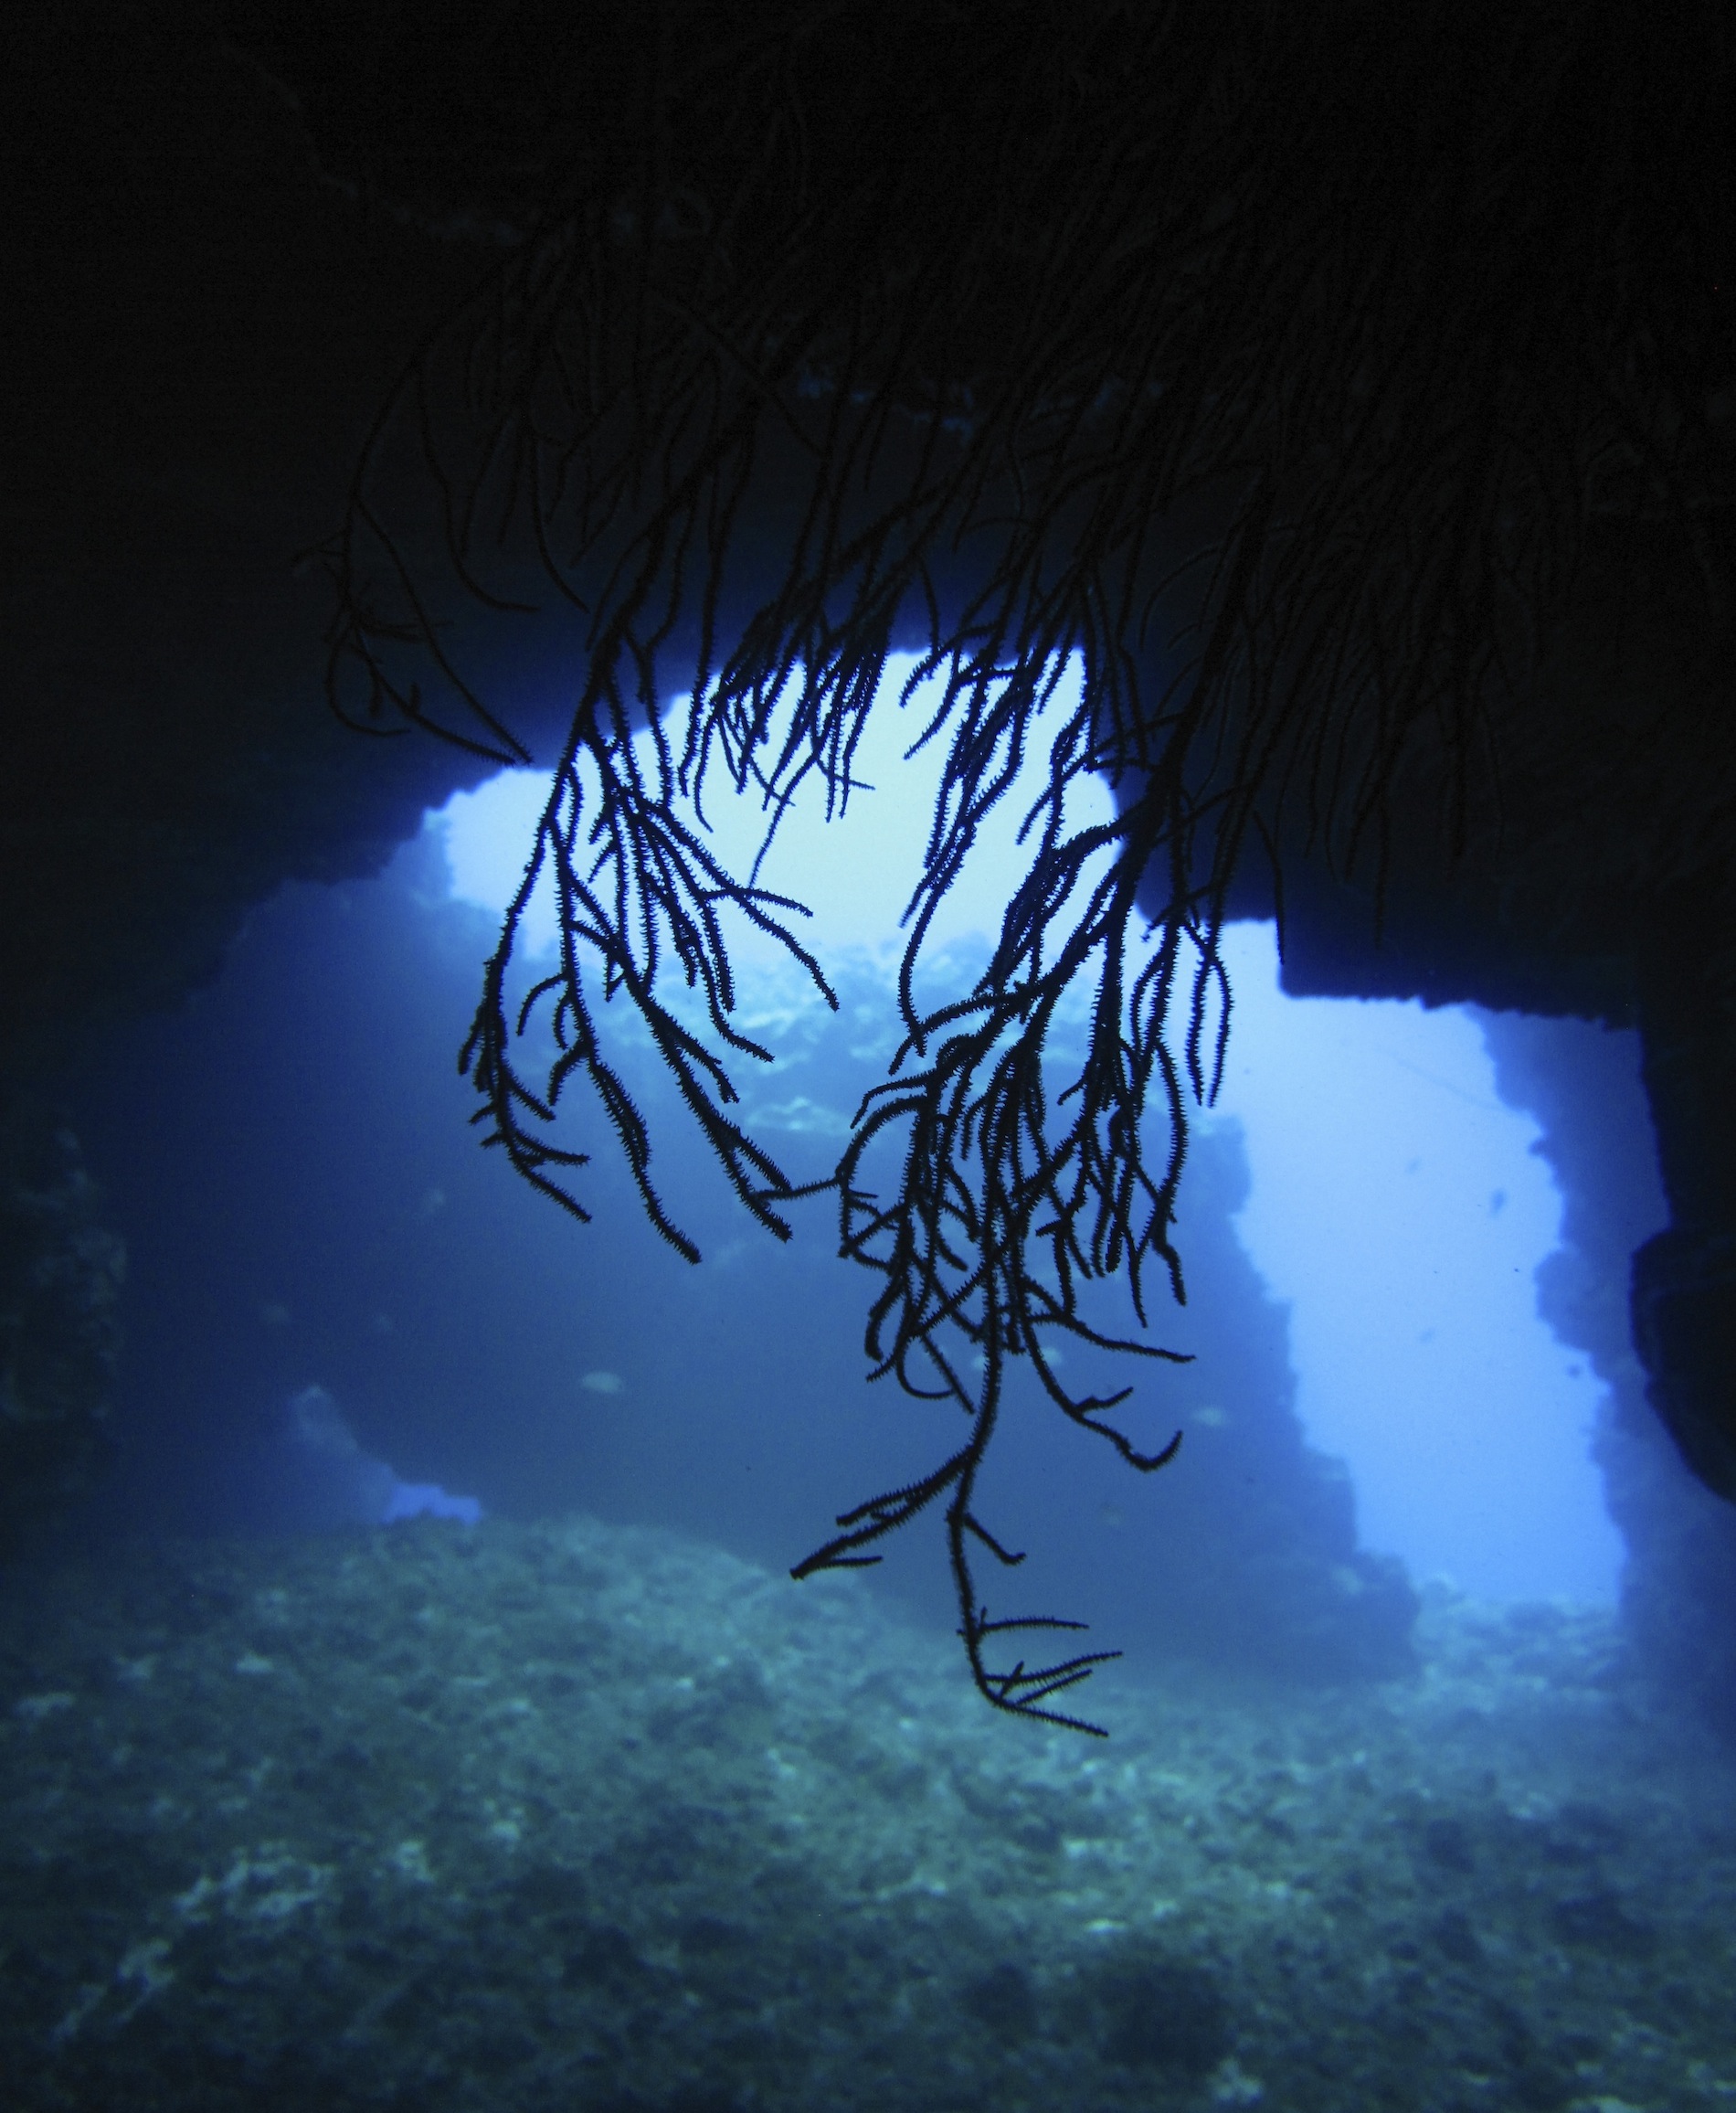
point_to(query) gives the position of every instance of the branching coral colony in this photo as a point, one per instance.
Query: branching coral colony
(1276, 362)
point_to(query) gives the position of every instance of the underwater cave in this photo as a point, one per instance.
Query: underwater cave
(1219, 523)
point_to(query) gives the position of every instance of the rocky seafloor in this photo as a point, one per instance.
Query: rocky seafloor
(579, 1817)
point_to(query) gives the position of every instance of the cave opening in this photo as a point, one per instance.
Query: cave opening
(1400, 1207)
(1376, 364)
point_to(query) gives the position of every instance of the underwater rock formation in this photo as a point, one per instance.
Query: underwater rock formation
(1246, 1556)
(61, 1270)
(316, 1476)
(569, 1816)
(1583, 1085)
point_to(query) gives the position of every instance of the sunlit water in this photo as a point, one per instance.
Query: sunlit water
(1397, 1206)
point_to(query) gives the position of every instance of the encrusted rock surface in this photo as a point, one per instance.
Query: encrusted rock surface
(576, 1816)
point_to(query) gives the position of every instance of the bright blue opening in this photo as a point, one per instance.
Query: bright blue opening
(1397, 1205)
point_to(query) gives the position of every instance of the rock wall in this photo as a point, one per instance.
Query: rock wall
(1583, 1085)
(62, 1270)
